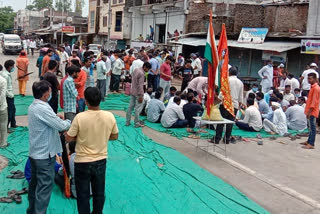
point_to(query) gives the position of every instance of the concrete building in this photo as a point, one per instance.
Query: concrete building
(314, 19)
(29, 20)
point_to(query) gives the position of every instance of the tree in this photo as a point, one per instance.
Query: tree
(6, 18)
(39, 4)
(64, 5)
(78, 6)
(30, 7)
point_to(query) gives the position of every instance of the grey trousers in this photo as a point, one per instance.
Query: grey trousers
(3, 127)
(41, 184)
(101, 85)
(69, 116)
(134, 104)
(165, 85)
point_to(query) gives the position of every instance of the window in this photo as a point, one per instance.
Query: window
(105, 1)
(92, 13)
(114, 1)
(105, 21)
(118, 27)
(120, 1)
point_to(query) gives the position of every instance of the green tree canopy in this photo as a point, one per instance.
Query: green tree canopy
(39, 4)
(6, 18)
(64, 5)
(78, 6)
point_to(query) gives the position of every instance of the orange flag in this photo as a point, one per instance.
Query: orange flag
(224, 71)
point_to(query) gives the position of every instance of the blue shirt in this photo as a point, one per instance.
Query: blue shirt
(155, 65)
(44, 127)
(263, 106)
(70, 94)
(155, 107)
(55, 57)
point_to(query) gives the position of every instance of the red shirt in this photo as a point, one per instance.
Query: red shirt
(81, 80)
(313, 101)
(165, 68)
(61, 90)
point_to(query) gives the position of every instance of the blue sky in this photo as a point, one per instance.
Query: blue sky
(21, 4)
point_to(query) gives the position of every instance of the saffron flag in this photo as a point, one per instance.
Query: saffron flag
(224, 71)
(211, 54)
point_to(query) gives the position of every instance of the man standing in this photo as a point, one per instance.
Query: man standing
(304, 77)
(117, 71)
(39, 62)
(63, 60)
(6, 74)
(153, 73)
(108, 72)
(266, 74)
(312, 109)
(165, 74)
(138, 63)
(101, 76)
(80, 83)
(236, 90)
(74, 56)
(70, 93)
(128, 60)
(45, 62)
(136, 96)
(44, 144)
(33, 45)
(3, 113)
(91, 130)
(186, 74)
(22, 65)
(86, 67)
(196, 65)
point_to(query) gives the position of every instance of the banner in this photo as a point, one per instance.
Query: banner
(68, 29)
(310, 46)
(253, 35)
(274, 56)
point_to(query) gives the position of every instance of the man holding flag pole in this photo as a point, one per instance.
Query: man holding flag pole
(218, 75)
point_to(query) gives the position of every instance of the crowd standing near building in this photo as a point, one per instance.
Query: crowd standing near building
(280, 104)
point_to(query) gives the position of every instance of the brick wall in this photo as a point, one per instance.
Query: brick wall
(197, 19)
(248, 16)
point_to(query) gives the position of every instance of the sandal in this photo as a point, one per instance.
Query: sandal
(5, 200)
(202, 131)
(16, 172)
(193, 136)
(16, 176)
(23, 191)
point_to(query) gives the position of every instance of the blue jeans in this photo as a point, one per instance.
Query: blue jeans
(312, 130)
(180, 124)
(81, 105)
(245, 126)
(41, 184)
(94, 172)
(11, 112)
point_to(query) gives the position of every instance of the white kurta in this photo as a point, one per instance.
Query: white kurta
(266, 83)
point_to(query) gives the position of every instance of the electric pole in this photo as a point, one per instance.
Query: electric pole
(109, 24)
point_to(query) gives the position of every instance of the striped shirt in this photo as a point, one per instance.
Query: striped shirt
(44, 127)
(70, 95)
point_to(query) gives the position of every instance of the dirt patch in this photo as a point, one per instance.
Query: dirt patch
(3, 162)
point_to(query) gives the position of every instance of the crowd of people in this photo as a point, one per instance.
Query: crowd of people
(146, 75)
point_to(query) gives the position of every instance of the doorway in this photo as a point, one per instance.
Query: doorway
(160, 33)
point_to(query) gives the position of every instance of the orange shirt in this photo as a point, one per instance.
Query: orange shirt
(45, 62)
(313, 101)
(81, 80)
(22, 65)
(128, 61)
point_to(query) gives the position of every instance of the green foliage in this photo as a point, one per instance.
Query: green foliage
(39, 4)
(78, 6)
(64, 5)
(6, 18)
(30, 7)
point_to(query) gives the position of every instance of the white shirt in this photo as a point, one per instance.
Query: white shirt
(296, 118)
(252, 118)
(33, 44)
(182, 103)
(64, 57)
(108, 64)
(305, 83)
(3, 92)
(288, 97)
(171, 115)
(236, 89)
(294, 84)
(283, 84)
(117, 67)
(268, 72)
(280, 121)
(196, 63)
(138, 63)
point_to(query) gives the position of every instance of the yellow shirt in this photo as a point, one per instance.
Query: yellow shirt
(93, 130)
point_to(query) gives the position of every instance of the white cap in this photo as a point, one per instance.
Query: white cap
(313, 65)
(276, 104)
(281, 66)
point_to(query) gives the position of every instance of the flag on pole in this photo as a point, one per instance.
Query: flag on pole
(211, 54)
(224, 71)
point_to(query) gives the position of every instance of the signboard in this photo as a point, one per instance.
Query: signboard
(275, 56)
(68, 29)
(253, 35)
(310, 46)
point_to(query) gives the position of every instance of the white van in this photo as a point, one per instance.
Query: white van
(11, 44)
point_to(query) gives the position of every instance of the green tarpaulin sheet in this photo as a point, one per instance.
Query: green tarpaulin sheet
(142, 177)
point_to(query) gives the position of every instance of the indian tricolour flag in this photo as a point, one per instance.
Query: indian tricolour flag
(211, 54)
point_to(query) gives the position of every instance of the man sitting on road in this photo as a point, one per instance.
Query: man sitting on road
(296, 119)
(279, 122)
(173, 116)
(252, 120)
(155, 109)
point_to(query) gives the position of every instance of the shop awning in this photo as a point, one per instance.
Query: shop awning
(268, 45)
(43, 33)
(78, 34)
